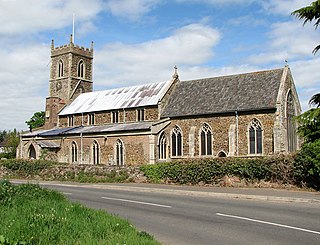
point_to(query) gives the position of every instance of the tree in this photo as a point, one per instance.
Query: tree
(309, 123)
(315, 100)
(11, 141)
(2, 135)
(309, 14)
(37, 120)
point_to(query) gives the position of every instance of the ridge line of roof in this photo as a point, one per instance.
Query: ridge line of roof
(233, 75)
(135, 86)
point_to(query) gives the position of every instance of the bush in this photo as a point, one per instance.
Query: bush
(211, 171)
(7, 155)
(26, 168)
(307, 165)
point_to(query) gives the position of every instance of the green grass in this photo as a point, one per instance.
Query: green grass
(30, 214)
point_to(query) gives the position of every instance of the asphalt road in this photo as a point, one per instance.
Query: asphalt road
(184, 219)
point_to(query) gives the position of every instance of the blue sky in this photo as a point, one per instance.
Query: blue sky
(140, 41)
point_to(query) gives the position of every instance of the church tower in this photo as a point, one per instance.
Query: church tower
(70, 75)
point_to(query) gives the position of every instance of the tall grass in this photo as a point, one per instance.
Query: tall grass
(30, 214)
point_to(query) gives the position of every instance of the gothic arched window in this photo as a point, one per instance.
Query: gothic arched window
(95, 153)
(60, 68)
(205, 140)
(81, 68)
(119, 153)
(32, 152)
(74, 152)
(291, 125)
(176, 142)
(255, 137)
(162, 147)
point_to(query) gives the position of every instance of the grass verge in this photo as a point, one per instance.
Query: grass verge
(30, 214)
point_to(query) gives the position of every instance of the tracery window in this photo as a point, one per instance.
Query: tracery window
(74, 152)
(60, 68)
(95, 153)
(291, 125)
(176, 142)
(162, 147)
(81, 68)
(255, 137)
(119, 153)
(205, 140)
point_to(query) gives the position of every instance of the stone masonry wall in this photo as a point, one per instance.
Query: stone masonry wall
(136, 149)
(104, 117)
(220, 126)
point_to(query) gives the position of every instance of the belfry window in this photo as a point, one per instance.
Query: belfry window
(60, 68)
(74, 152)
(255, 137)
(176, 142)
(162, 147)
(81, 68)
(95, 153)
(205, 140)
(119, 153)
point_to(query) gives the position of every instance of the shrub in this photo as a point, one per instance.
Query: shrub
(210, 171)
(26, 168)
(7, 155)
(307, 165)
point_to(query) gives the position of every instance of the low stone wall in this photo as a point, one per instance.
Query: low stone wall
(82, 173)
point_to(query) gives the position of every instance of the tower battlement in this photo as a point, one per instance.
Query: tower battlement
(71, 48)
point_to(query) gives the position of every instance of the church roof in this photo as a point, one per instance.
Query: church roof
(113, 99)
(109, 128)
(243, 92)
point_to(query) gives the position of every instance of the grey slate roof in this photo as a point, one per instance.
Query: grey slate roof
(243, 92)
(48, 144)
(110, 128)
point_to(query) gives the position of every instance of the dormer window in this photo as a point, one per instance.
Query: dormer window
(81, 68)
(140, 115)
(60, 68)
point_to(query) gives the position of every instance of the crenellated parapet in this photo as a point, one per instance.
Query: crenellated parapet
(71, 48)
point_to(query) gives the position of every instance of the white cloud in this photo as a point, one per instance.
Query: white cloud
(24, 74)
(217, 2)
(293, 42)
(188, 46)
(31, 16)
(287, 41)
(131, 9)
(284, 7)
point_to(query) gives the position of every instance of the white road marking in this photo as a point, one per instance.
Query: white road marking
(132, 201)
(269, 223)
(67, 193)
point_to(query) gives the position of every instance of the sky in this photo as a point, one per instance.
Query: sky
(140, 41)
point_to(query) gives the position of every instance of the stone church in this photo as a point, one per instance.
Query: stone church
(241, 115)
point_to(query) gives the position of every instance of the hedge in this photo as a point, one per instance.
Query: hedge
(211, 171)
